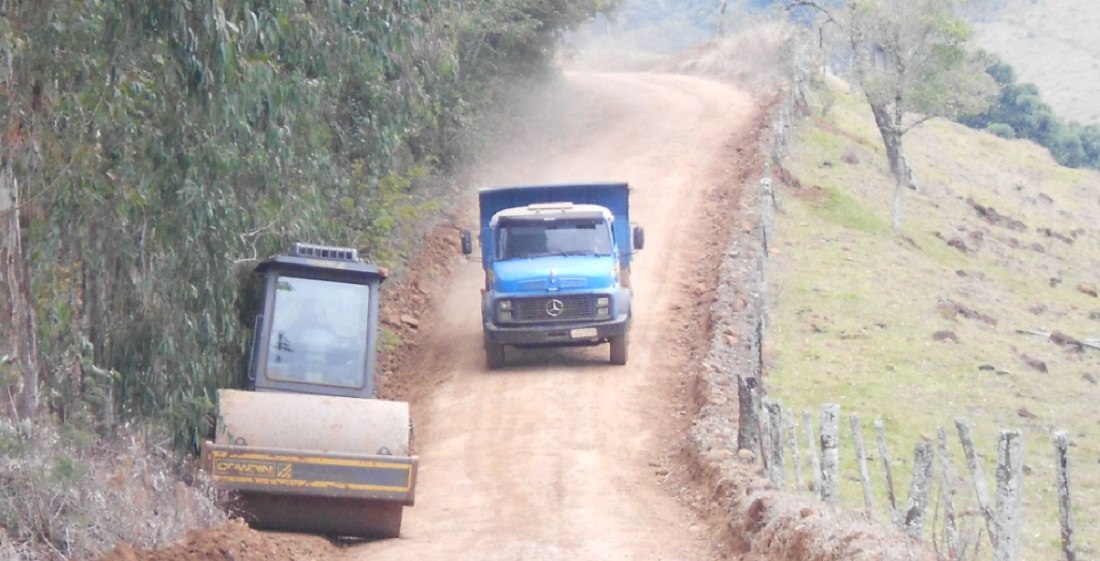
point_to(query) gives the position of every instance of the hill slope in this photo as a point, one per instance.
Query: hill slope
(953, 317)
(1051, 43)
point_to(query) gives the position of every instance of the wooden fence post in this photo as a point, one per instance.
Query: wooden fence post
(1061, 448)
(880, 437)
(830, 457)
(792, 434)
(775, 437)
(748, 430)
(919, 489)
(1010, 464)
(947, 484)
(811, 449)
(976, 475)
(864, 475)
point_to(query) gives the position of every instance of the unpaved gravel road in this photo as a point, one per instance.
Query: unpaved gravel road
(561, 455)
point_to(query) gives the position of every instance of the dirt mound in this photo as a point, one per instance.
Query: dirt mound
(232, 541)
(407, 311)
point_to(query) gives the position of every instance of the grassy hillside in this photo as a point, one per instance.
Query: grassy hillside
(997, 241)
(1051, 43)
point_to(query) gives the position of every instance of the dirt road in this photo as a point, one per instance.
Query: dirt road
(560, 455)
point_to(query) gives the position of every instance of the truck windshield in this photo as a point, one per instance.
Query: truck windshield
(559, 237)
(318, 332)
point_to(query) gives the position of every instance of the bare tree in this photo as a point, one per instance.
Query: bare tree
(721, 20)
(909, 58)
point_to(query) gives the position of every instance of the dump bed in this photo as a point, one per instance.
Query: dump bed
(613, 196)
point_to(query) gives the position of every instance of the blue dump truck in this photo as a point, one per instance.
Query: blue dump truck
(557, 266)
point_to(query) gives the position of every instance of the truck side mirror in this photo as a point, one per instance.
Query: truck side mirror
(467, 242)
(639, 237)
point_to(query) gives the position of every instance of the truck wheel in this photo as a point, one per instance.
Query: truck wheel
(494, 355)
(618, 349)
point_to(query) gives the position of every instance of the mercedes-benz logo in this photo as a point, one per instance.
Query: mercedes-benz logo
(554, 308)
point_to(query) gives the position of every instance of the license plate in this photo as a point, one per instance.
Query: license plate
(583, 333)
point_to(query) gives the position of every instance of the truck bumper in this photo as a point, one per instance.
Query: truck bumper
(586, 333)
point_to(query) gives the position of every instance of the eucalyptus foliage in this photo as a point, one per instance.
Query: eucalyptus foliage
(178, 140)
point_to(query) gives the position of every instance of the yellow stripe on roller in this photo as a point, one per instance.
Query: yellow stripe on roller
(277, 470)
(315, 460)
(313, 484)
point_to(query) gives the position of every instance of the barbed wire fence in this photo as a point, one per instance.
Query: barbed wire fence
(957, 533)
(771, 434)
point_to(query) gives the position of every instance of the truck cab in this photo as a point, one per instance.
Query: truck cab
(557, 267)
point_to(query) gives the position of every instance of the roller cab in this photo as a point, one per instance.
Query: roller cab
(305, 447)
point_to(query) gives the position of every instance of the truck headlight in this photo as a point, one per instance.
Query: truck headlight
(504, 310)
(603, 307)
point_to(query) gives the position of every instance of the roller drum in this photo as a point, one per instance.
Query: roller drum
(274, 441)
(321, 423)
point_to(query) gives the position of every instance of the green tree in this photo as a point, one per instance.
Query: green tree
(1020, 112)
(19, 368)
(910, 60)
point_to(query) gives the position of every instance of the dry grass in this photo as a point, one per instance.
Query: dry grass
(67, 495)
(757, 57)
(857, 306)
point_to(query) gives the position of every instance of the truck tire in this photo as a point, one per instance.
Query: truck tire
(494, 355)
(618, 349)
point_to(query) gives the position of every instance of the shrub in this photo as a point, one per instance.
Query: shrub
(1020, 112)
(1002, 130)
(64, 492)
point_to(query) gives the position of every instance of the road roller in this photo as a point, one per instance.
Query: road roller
(305, 446)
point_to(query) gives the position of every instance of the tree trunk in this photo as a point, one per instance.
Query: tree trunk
(891, 135)
(900, 183)
(17, 327)
(18, 336)
(895, 154)
(721, 23)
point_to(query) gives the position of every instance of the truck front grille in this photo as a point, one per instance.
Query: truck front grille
(565, 307)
